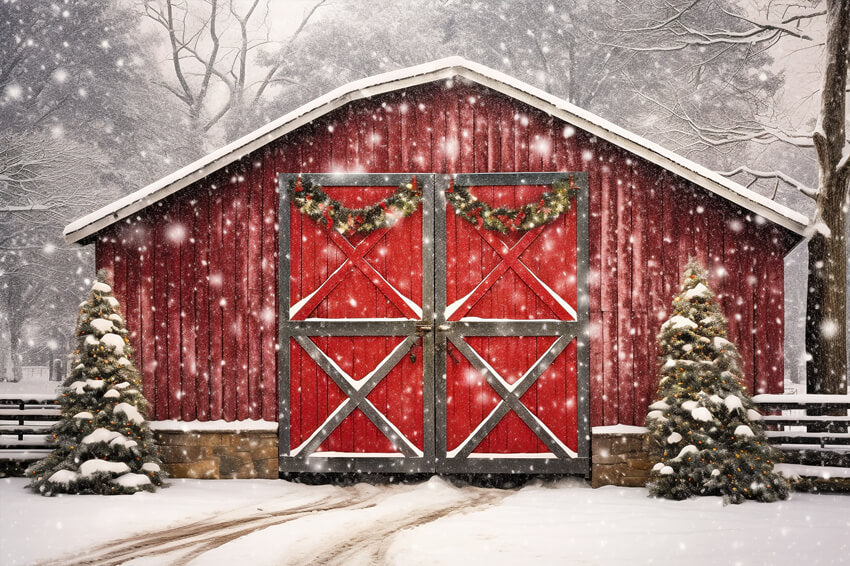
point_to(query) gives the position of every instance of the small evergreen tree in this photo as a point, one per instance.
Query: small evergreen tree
(103, 442)
(704, 431)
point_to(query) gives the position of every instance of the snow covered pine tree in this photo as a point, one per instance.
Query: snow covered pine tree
(703, 431)
(104, 444)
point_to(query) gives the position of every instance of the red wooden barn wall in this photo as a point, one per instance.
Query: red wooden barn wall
(197, 272)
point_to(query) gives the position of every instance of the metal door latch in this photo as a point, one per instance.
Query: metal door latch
(423, 327)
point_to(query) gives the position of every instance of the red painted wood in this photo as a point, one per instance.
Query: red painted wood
(625, 315)
(501, 135)
(608, 274)
(147, 329)
(268, 289)
(202, 304)
(218, 255)
(173, 308)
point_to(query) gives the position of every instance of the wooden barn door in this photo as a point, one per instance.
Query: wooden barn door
(434, 345)
(357, 387)
(512, 313)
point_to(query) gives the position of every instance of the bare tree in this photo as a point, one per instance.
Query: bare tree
(211, 44)
(35, 267)
(826, 315)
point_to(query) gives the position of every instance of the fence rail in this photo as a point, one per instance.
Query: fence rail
(819, 444)
(25, 423)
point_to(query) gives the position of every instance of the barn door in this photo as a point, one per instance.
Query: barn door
(356, 387)
(512, 314)
(436, 344)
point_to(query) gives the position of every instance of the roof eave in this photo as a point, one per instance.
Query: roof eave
(444, 69)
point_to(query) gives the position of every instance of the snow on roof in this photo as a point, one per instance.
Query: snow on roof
(442, 69)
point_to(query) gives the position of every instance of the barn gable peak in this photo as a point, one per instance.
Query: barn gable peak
(442, 69)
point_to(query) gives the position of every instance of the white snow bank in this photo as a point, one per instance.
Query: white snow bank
(63, 477)
(560, 522)
(84, 415)
(101, 287)
(674, 438)
(150, 467)
(744, 431)
(113, 341)
(132, 480)
(700, 291)
(130, 412)
(733, 403)
(800, 398)
(8, 390)
(754, 415)
(619, 429)
(795, 471)
(100, 435)
(96, 465)
(39, 529)
(112, 394)
(689, 449)
(213, 426)
(102, 325)
(680, 322)
(702, 414)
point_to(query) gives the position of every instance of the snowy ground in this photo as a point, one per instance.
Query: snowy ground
(28, 386)
(260, 522)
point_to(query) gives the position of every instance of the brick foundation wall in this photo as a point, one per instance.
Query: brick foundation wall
(219, 455)
(619, 459)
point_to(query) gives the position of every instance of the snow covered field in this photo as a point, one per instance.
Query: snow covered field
(277, 522)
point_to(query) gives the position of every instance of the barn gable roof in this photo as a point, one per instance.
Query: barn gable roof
(442, 69)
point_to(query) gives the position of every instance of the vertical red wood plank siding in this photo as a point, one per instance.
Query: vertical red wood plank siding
(202, 303)
(223, 277)
(216, 295)
(188, 377)
(147, 332)
(625, 314)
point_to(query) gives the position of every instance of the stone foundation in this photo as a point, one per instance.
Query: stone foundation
(219, 455)
(619, 458)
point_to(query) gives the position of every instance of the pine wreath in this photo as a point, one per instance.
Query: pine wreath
(312, 201)
(547, 208)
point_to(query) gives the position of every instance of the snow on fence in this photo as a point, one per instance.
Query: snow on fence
(813, 443)
(25, 423)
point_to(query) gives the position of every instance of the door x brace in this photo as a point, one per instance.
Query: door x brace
(355, 257)
(510, 260)
(356, 393)
(511, 395)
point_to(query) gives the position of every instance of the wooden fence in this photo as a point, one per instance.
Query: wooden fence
(812, 443)
(25, 422)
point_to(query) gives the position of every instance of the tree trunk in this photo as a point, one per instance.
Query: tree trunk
(15, 351)
(826, 303)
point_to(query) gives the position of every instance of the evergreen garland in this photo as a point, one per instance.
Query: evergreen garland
(547, 208)
(315, 203)
(704, 431)
(103, 444)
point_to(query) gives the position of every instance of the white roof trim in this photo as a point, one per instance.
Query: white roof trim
(442, 69)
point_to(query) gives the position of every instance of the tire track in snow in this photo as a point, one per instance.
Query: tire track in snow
(371, 547)
(202, 535)
(368, 543)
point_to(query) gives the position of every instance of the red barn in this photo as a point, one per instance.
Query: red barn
(427, 342)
